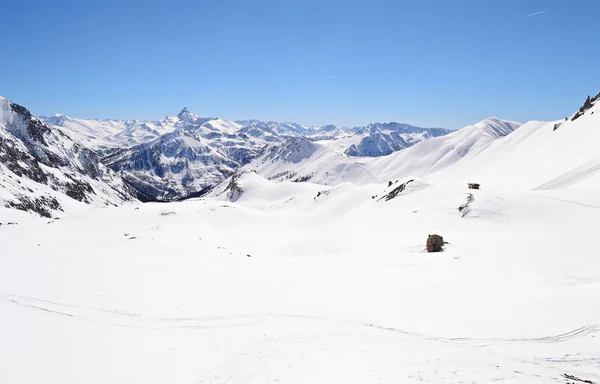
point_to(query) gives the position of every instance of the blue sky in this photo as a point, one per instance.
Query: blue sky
(427, 62)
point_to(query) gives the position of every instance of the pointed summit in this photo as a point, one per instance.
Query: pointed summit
(185, 114)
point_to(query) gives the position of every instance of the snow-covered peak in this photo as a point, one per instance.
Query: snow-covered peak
(185, 114)
(495, 127)
(381, 139)
(57, 119)
(293, 150)
(285, 128)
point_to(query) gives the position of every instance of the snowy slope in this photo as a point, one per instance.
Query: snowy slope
(320, 281)
(42, 170)
(538, 156)
(442, 152)
(301, 283)
(300, 159)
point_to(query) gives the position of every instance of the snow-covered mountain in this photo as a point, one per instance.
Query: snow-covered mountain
(182, 155)
(305, 282)
(44, 171)
(438, 153)
(197, 155)
(494, 152)
(301, 159)
(110, 133)
(283, 129)
(539, 155)
(326, 162)
(381, 139)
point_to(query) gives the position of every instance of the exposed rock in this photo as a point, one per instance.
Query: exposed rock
(396, 191)
(435, 243)
(577, 379)
(321, 193)
(233, 189)
(303, 179)
(465, 208)
(589, 103)
(42, 205)
(473, 186)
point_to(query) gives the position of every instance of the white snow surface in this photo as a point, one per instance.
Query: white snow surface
(296, 286)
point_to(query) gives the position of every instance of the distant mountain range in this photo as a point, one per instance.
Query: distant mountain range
(184, 155)
(60, 163)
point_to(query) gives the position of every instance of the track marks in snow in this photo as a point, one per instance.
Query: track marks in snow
(571, 202)
(572, 177)
(122, 318)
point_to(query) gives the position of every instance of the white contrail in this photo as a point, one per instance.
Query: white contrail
(535, 14)
(331, 77)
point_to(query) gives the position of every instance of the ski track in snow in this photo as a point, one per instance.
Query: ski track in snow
(111, 317)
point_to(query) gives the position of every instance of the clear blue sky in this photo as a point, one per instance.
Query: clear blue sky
(444, 63)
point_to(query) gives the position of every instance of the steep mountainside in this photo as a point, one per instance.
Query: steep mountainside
(42, 169)
(196, 156)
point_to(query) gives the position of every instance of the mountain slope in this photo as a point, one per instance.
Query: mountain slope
(325, 162)
(197, 155)
(436, 154)
(300, 159)
(381, 139)
(110, 133)
(42, 169)
(540, 155)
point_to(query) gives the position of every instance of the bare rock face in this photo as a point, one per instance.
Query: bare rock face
(435, 243)
(396, 191)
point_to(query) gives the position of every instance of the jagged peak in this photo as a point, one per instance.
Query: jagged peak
(185, 114)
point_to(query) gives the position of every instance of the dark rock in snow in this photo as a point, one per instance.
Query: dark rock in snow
(396, 191)
(435, 243)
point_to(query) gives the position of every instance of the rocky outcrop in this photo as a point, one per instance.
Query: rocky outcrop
(588, 104)
(396, 191)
